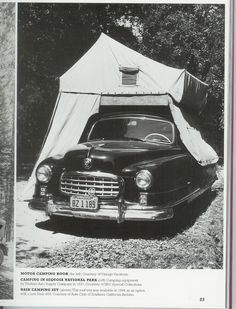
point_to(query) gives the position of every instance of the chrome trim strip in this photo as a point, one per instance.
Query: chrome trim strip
(84, 191)
(85, 186)
(92, 181)
(92, 174)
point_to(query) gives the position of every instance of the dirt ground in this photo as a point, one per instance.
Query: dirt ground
(192, 240)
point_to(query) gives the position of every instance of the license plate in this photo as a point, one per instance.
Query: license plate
(81, 202)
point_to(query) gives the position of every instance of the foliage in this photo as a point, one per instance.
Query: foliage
(191, 37)
(52, 37)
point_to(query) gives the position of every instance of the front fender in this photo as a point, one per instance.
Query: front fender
(169, 172)
(56, 164)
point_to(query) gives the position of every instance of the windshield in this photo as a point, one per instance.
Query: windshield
(133, 128)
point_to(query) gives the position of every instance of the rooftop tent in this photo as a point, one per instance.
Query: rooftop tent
(113, 74)
(100, 71)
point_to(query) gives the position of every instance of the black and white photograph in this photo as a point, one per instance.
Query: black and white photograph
(7, 100)
(120, 136)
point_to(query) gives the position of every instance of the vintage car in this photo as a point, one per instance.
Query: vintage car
(126, 166)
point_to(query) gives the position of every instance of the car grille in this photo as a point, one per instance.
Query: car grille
(103, 185)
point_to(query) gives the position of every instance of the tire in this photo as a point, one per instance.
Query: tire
(1, 256)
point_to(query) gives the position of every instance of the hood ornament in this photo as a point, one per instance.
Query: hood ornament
(87, 163)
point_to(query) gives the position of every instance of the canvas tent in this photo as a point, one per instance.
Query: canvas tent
(113, 74)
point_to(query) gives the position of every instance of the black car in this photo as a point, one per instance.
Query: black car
(126, 166)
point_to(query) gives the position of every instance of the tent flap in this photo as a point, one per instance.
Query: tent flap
(189, 92)
(67, 125)
(191, 137)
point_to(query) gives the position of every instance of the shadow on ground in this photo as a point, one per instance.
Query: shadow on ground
(185, 217)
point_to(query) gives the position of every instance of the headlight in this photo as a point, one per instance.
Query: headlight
(44, 173)
(143, 179)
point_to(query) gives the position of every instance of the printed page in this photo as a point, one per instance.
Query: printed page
(116, 154)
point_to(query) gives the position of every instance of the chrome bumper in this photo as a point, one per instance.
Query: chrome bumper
(106, 214)
(118, 210)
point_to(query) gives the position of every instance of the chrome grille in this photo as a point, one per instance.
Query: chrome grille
(105, 185)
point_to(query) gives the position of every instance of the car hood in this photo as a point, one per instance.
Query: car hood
(113, 156)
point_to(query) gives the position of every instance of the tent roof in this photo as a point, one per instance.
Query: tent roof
(98, 72)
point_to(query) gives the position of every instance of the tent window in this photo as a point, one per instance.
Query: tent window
(129, 76)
